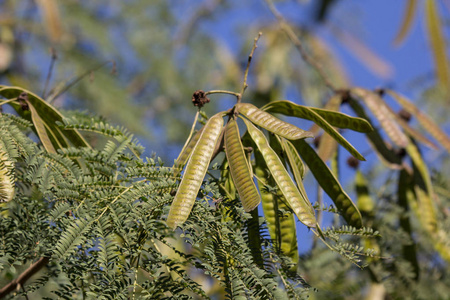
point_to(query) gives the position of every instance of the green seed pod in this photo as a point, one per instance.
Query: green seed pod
(239, 167)
(282, 178)
(195, 172)
(269, 122)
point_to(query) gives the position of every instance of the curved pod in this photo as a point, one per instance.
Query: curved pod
(269, 122)
(195, 172)
(282, 178)
(239, 168)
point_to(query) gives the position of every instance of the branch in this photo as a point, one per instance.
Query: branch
(245, 85)
(298, 44)
(20, 281)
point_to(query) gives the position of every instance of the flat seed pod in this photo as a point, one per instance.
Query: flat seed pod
(6, 177)
(383, 151)
(41, 130)
(297, 168)
(423, 119)
(195, 172)
(186, 153)
(239, 167)
(272, 124)
(282, 228)
(334, 118)
(329, 183)
(281, 176)
(384, 116)
(294, 110)
(48, 116)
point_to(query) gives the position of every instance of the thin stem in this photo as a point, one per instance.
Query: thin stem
(237, 95)
(298, 44)
(50, 70)
(7, 101)
(245, 85)
(190, 134)
(76, 80)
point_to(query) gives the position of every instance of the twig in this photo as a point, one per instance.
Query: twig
(50, 70)
(245, 85)
(17, 283)
(76, 80)
(298, 44)
(237, 95)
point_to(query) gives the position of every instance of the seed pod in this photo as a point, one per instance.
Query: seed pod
(186, 153)
(291, 109)
(195, 172)
(282, 178)
(269, 122)
(239, 167)
(329, 183)
(282, 228)
(6, 177)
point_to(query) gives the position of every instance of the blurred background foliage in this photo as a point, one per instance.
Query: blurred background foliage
(160, 52)
(165, 50)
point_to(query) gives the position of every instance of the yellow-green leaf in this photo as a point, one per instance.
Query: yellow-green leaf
(239, 167)
(195, 172)
(272, 124)
(437, 41)
(281, 176)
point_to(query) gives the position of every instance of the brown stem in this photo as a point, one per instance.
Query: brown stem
(245, 85)
(298, 44)
(20, 281)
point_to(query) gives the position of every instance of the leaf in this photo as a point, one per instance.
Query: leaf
(383, 114)
(437, 42)
(281, 176)
(408, 18)
(195, 172)
(282, 228)
(73, 236)
(7, 188)
(423, 119)
(49, 116)
(272, 124)
(383, 151)
(329, 183)
(294, 110)
(239, 167)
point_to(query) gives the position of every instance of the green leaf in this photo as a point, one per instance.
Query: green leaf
(437, 41)
(329, 183)
(294, 110)
(281, 176)
(7, 189)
